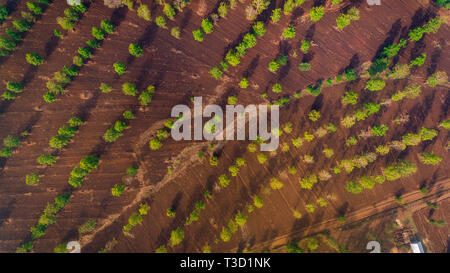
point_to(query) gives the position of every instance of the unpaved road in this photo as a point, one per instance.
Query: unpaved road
(415, 201)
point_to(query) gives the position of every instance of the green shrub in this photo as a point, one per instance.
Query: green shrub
(34, 8)
(86, 227)
(120, 69)
(34, 59)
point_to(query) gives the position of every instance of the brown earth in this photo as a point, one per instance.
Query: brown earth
(180, 70)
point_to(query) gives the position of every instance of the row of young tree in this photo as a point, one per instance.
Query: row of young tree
(48, 217)
(61, 79)
(71, 16)
(58, 142)
(21, 26)
(207, 25)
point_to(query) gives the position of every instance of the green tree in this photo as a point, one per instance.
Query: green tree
(304, 66)
(117, 190)
(259, 28)
(438, 78)
(31, 179)
(198, 35)
(169, 11)
(276, 15)
(349, 98)
(419, 61)
(305, 44)
(129, 89)
(144, 12)
(105, 88)
(98, 33)
(21, 25)
(316, 13)
(120, 69)
(86, 227)
(207, 26)
(160, 22)
(176, 237)
(379, 130)
(289, 32)
(46, 159)
(375, 84)
(155, 144)
(430, 159)
(34, 59)
(107, 26)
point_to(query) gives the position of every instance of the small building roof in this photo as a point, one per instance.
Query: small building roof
(417, 247)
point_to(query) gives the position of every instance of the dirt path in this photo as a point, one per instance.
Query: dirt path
(441, 189)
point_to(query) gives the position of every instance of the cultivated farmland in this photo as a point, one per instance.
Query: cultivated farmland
(85, 125)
